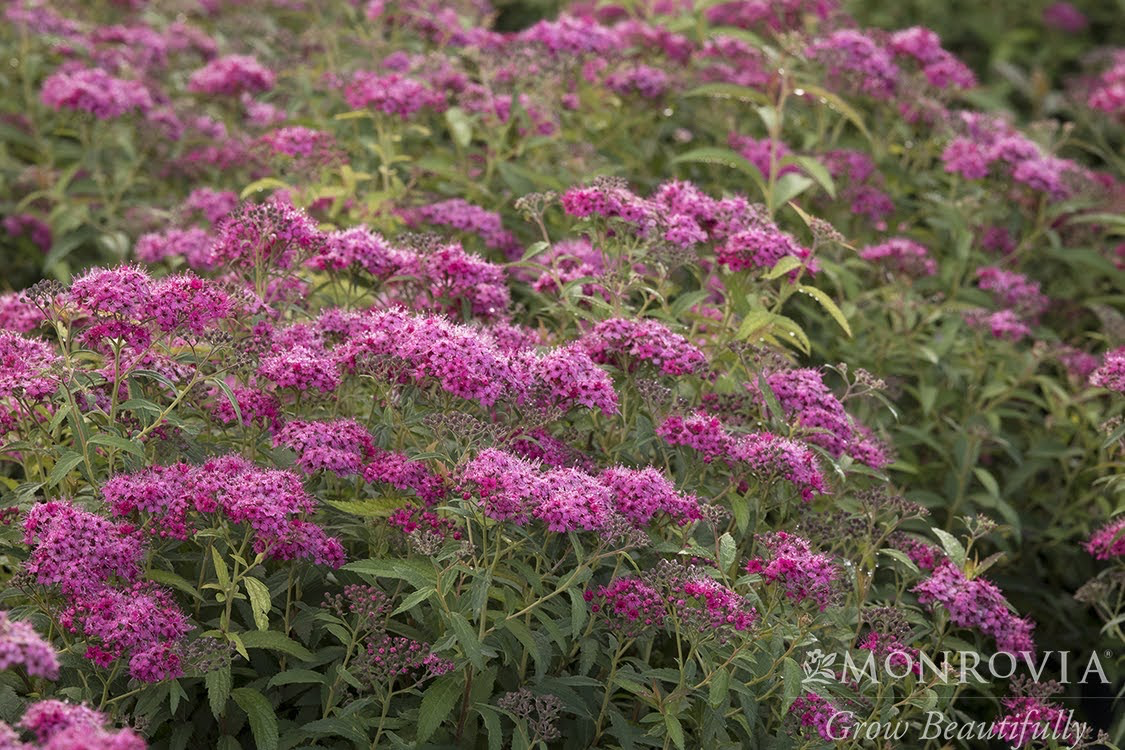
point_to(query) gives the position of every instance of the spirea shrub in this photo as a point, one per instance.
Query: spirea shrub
(374, 374)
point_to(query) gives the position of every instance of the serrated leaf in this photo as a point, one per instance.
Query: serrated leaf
(338, 728)
(460, 127)
(168, 578)
(218, 685)
(467, 637)
(275, 641)
(266, 183)
(62, 467)
(437, 703)
(727, 551)
(829, 306)
(415, 599)
(787, 264)
(222, 572)
(754, 322)
(725, 157)
(419, 573)
(118, 442)
(675, 729)
(297, 677)
(789, 186)
(263, 720)
(260, 604)
(952, 546)
(792, 679)
(902, 557)
(720, 687)
(817, 171)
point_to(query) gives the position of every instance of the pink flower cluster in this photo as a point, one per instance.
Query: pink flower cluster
(459, 214)
(986, 140)
(806, 398)
(859, 183)
(1111, 373)
(635, 606)
(631, 606)
(87, 557)
(1029, 720)
(57, 725)
(769, 456)
(142, 622)
(514, 489)
(902, 256)
(815, 712)
(1108, 92)
(976, 603)
(626, 343)
(192, 244)
(271, 234)
(1108, 541)
(391, 94)
(803, 574)
(232, 75)
(79, 551)
(95, 91)
(25, 367)
(1004, 324)
(1013, 290)
(341, 446)
(21, 646)
(274, 503)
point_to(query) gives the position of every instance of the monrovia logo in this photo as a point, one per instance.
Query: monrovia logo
(952, 666)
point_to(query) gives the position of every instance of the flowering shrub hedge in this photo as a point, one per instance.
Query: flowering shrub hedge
(374, 377)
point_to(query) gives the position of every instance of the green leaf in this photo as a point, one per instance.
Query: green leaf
(419, 573)
(168, 578)
(338, 728)
(297, 677)
(675, 729)
(222, 386)
(415, 599)
(789, 186)
(729, 91)
(727, 158)
(787, 264)
(376, 507)
(836, 103)
(754, 322)
(62, 467)
(491, 726)
(222, 572)
(719, 688)
(460, 127)
(952, 546)
(727, 551)
(275, 641)
(259, 594)
(266, 183)
(829, 306)
(817, 171)
(437, 703)
(116, 441)
(902, 557)
(467, 637)
(792, 679)
(263, 721)
(218, 689)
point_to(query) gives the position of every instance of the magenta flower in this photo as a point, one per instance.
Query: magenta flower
(976, 603)
(232, 75)
(95, 91)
